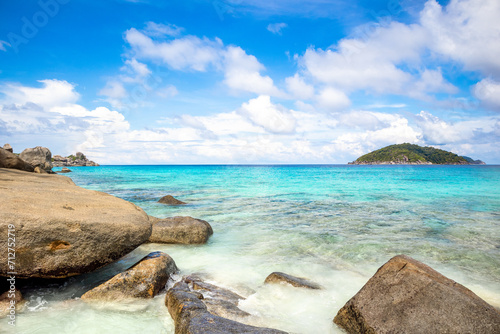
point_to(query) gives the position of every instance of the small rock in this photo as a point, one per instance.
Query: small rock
(7, 147)
(180, 230)
(170, 200)
(278, 277)
(6, 299)
(143, 280)
(65, 170)
(406, 296)
(191, 315)
(39, 170)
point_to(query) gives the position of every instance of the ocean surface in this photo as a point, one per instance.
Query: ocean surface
(333, 224)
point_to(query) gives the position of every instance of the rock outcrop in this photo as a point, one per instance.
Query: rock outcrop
(76, 160)
(406, 296)
(191, 315)
(38, 157)
(64, 230)
(170, 200)
(180, 230)
(9, 148)
(278, 277)
(143, 280)
(65, 170)
(10, 160)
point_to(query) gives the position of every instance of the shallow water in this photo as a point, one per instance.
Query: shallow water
(333, 224)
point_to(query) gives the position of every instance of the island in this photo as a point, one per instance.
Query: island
(411, 154)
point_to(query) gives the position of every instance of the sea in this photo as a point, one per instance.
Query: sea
(333, 224)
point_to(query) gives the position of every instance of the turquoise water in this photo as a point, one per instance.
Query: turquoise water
(333, 224)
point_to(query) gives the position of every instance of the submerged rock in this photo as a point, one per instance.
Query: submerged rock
(278, 277)
(10, 160)
(180, 230)
(170, 200)
(143, 280)
(406, 296)
(64, 230)
(38, 157)
(191, 315)
(65, 170)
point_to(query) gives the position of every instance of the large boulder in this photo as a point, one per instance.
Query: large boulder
(180, 230)
(10, 160)
(298, 282)
(38, 157)
(143, 280)
(9, 148)
(191, 315)
(406, 296)
(63, 230)
(170, 200)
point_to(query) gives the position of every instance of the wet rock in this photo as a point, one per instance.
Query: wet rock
(143, 280)
(38, 157)
(278, 277)
(406, 296)
(10, 160)
(170, 200)
(180, 230)
(11, 300)
(191, 315)
(65, 170)
(8, 148)
(64, 230)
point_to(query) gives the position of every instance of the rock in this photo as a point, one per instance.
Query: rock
(39, 170)
(64, 230)
(10, 301)
(180, 230)
(406, 296)
(143, 280)
(80, 156)
(278, 277)
(38, 157)
(10, 160)
(191, 315)
(65, 170)
(7, 147)
(79, 159)
(170, 200)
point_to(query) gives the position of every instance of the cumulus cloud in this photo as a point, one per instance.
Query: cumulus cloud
(276, 28)
(298, 88)
(273, 118)
(331, 99)
(488, 92)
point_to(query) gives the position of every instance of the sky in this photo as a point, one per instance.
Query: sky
(249, 82)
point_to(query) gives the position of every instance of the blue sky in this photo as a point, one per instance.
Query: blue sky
(232, 81)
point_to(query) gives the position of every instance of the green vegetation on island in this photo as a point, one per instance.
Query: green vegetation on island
(412, 154)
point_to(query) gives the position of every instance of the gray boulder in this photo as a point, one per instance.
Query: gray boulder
(170, 200)
(64, 230)
(406, 296)
(180, 230)
(7, 147)
(10, 160)
(278, 277)
(143, 280)
(38, 157)
(191, 315)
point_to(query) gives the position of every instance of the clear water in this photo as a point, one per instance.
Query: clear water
(333, 224)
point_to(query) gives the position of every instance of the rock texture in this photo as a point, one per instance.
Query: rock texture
(38, 157)
(406, 296)
(180, 230)
(7, 147)
(65, 170)
(143, 280)
(278, 277)
(64, 230)
(10, 160)
(170, 200)
(191, 315)
(11, 301)
(76, 160)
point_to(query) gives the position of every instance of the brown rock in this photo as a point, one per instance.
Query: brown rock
(10, 160)
(180, 230)
(65, 170)
(191, 316)
(170, 200)
(143, 280)
(38, 156)
(406, 296)
(11, 300)
(64, 230)
(7, 147)
(278, 277)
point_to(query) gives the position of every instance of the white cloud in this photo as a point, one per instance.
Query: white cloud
(276, 28)
(3, 44)
(160, 30)
(331, 99)
(273, 118)
(488, 92)
(299, 88)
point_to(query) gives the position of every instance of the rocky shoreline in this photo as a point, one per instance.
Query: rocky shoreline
(63, 230)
